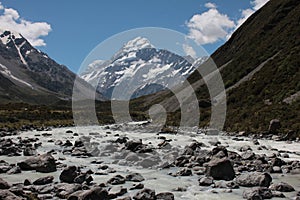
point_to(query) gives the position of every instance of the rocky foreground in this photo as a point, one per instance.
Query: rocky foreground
(114, 163)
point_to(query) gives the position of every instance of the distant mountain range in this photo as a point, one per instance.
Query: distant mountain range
(29, 75)
(140, 63)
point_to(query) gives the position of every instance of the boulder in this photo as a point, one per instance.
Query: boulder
(135, 177)
(206, 181)
(44, 163)
(43, 180)
(254, 179)
(133, 145)
(165, 196)
(220, 169)
(68, 174)
(96, 193)
(116, 180)
(4, 184)
(145, 194)
(63, 190)
(7, 195)
(257, 193)
(274, 125)
(282, 187)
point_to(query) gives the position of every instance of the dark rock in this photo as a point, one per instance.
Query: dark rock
(282, 187)
(27, 182)
(68, 143)
(68, 174)
(133, 145)
(278, 194)
(43, 180)
(145, 194)
(122, 140)
(78, 143)
(7, 195)
(80, 178)
(274, 126)
(4, 184)
(254, 179)
(116, 180)
(44, 163)
(69, 131)
(96, 193)
(277, 162)
(63, 190)
(255, 142)
(135, 177)
(165, 196)
(89, 179)
(206, 181)
(137, 186)
(257, 193)
(220, 169)
(219, 152)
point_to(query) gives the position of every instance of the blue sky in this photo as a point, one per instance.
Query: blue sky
(68, 30)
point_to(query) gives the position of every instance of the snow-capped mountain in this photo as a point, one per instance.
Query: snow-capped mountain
(139, 68)
(29, 75)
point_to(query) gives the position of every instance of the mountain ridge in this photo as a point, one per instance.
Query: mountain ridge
(140, 62)
(33, 76)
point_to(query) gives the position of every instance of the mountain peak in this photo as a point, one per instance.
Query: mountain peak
(136, 44)
(6, 36)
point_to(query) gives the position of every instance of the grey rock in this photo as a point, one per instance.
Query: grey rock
(206, 181)
(135, 177)
(44, 163)
(145, 194)
(254, 179)
(282, 187)
(257, 193)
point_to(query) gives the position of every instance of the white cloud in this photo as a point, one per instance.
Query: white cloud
(189, 51)
(32, 31)
(245, 15)
(210, 26)
(257, 4)
(210, 5)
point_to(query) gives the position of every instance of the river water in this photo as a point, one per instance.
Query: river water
(155, 178)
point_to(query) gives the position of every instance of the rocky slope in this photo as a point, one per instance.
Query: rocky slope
(259, 65)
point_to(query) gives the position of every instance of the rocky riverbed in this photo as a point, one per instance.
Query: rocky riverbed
(129, 161)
